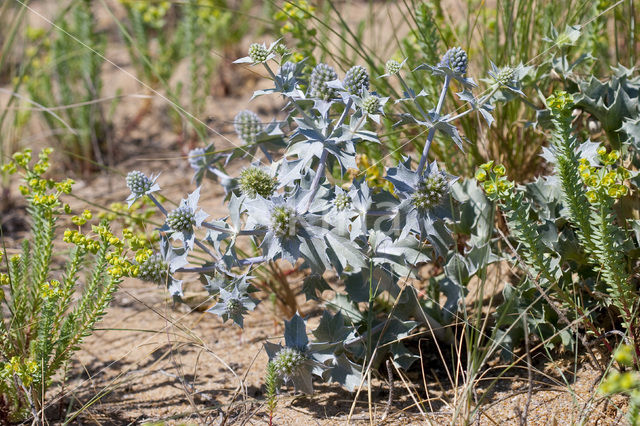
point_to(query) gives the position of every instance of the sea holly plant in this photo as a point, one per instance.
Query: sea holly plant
(287, 204)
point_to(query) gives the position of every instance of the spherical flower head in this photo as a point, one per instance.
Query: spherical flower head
(430, 192)
(456, 59)
(342, 201)
(392, 67)
(288, 68)
(247, 125)
(154, 269)
(287, 360)
(505, 76)
(181, 219)
(255, 181)
(234, 307)
(320, 76)
(371, 105)
(258, 53)
(356, 80)
(283, 221)
(138, 183)
(196, 157)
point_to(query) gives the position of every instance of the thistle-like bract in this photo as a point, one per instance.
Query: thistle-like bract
(258, 53)
(320, 76)
(342, 201)
(430, 191)
(287, 360)
(247, 125)
(371, 104)
(356, 80)
(138, 182)
(154, 269)
(255, 181)
(181, 219)
(392, 67)
(283, 221)
(456, 59)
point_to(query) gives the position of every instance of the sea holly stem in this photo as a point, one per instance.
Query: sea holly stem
(158, 204)
(432, 131)
(315, 185)
(480, 103)
(343, 117)
(212, 268)
(218, 228)
(410, 93)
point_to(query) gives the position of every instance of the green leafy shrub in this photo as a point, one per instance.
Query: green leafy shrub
(570, 237)
(48, 311)
(67, 71)
(161, 34)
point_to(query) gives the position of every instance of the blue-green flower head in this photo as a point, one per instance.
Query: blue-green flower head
(371, 104)
(159, 267)
(392, 67)
(182, 221)
(289, 232)
(342, 201)
(154, 269)
(356, 80)
(258, 53)
(504, 76)
(140, 185)
(430, 192)
(296, 362)
(138, 182)
(247, 126)
(234, 304)
(421, 197)
(320, 76)
(284, 221)
(507, 77)
(455, 59)
(288, 69)
(287, 361)
(254, 181)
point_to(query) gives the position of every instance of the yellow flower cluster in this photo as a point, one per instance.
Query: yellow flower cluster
(294, 16)
(373, 172)
(50, 289)
(81, 240)
(294, 11)
(135, 219)
(82, 219)
(604, 181)
(210, 12)
(493, 180)
(617, 382)
(153, 13)
(24, 370)
(560, 103)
